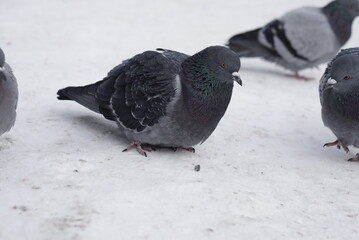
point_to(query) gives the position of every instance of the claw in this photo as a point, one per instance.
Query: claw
(346, 149)
(190, 149)
(174, 149)
(140, 148)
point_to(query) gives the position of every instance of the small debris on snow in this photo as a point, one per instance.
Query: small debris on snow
(22, 208)
(197, 168)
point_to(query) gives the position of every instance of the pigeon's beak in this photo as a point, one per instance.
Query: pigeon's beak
(331, 81)
(237, 78)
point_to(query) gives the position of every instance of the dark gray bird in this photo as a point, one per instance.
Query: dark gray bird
(8, 95)
(302, 38)
(339, 96)
(164, 98)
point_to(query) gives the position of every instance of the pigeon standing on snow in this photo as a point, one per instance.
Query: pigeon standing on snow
(8, 95)
(301, 38)
(164, 98)
(339, 96)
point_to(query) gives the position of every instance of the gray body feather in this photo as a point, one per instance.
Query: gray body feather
(164, 98)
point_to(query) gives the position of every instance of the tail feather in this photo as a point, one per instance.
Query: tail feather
(247, 45)
(82, 95)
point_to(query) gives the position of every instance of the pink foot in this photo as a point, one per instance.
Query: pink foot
(354, 159)
(338, 144)
(190, 149)
(141, 149)
(297, 76)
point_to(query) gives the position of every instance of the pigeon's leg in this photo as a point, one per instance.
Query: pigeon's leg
(297, 76)
(140, 148)
(338, 144)
(149, 148)
(354, 159)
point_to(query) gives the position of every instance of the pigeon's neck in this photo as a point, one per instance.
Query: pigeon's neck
(201, 79)
(340, 21)
(205, 96)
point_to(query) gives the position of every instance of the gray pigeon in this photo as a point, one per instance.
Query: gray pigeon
(164, 98)
(8, 95)
(339, 96)
(302, 38)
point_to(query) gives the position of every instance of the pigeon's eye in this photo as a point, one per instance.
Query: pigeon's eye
(223, 65)
(347, 77)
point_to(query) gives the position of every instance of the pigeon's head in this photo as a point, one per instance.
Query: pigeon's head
(216, 63)
(352, 6)
(343, 71)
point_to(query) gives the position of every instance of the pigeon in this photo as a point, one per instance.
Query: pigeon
(8, 96)
(339, 97)
(164, 98)
(302, 38)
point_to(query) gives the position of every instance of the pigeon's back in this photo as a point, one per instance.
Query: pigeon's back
(302, 38)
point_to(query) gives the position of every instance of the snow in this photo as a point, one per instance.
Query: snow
(264, 173)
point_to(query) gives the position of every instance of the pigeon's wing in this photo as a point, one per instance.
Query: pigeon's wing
(300, 36)
(137, 92)
(322, 84)
(10, 77)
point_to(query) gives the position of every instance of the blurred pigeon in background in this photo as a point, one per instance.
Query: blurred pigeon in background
(164, 98)
(339, 96)
(301, 38)
(8, 95)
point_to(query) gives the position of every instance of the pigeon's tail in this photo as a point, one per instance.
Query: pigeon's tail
(247, 45)
(82, 95)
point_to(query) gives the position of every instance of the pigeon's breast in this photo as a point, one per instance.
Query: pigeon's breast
(8, 101)
(336, 117)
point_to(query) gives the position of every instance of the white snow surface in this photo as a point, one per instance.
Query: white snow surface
(264, 173)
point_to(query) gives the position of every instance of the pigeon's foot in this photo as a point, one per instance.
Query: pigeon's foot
(338, 144)
(141, 149)
(297, 76)
(354, 159)
(190, 149)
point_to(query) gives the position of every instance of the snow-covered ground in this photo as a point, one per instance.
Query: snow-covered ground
(264, 173)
